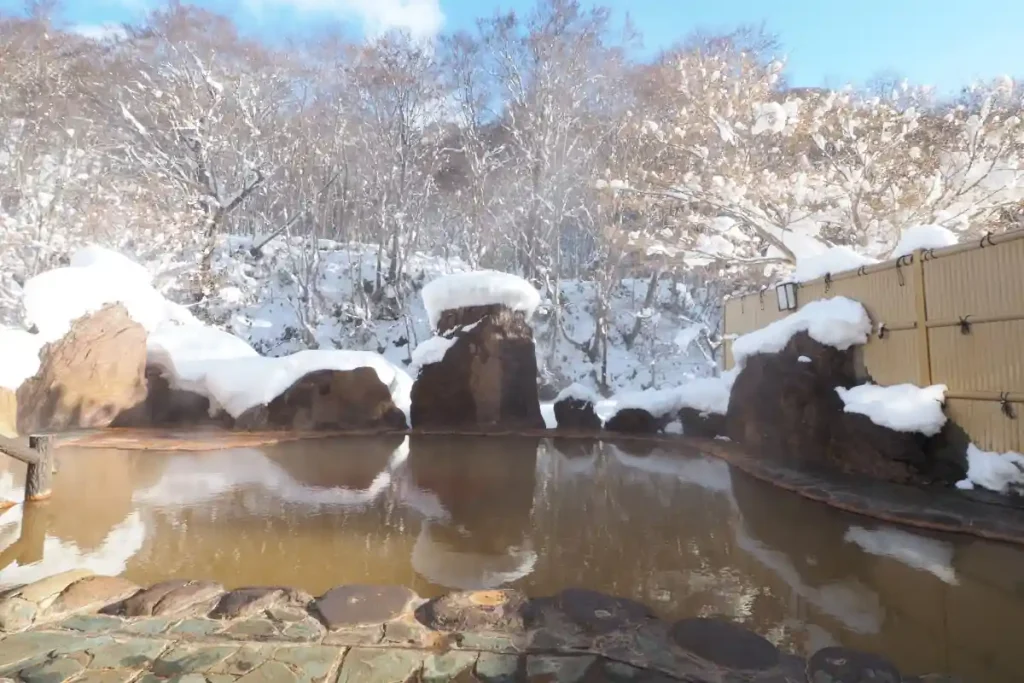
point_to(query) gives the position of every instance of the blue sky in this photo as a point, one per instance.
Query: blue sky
(945, 43)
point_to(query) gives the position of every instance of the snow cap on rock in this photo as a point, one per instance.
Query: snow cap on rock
(839, 322)
(478, 288)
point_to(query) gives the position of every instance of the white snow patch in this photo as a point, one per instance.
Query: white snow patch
(705, 395)
(101, 257)
(578, 392)
(20, 358)
(832, 261)
(804, 359)
(1002, 472)
(838, 322)
(917, 552)
(924, 237)
(184, 353)
(478, 288)
(239, 384)
(547, 411)
(55, 298)
(901, 407)
(431, 350)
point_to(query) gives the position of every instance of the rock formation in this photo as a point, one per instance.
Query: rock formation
(328, 400)
(487, 377)
(786, 408)
(576, 413)
(88, 377)
(167, 407)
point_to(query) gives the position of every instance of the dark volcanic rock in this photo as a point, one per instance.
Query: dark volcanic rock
(703, 425)
(598, 613)
(328, 400)
(725, 643)
(496, 611)
(166, 407)
(88, 377)
(788, 410)
(635, 421)
(359, 605)
(576, 413)
(488, 377)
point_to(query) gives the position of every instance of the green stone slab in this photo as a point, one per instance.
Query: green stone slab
(254, 629)
(379, 666)
(270, 672)
(496, 668)
(247, 658)
(129, 654)
(92, 623)
(197, 627)
(22, 647)
(447, 667)
(313, 662)
(188, 659)
(111, 676)
(149, 627)
(53, 671)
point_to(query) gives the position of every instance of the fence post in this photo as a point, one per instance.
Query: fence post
(924, 355)
(40, 474)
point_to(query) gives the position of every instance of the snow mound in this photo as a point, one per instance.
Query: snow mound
(902, 407)
(1002, 472)
(705, 395)
(831, 261)
(55, 298)
(924, 237)
(97, 256)
(578, 392)
(20, 359)
(432, 350)
(238, 384)
(838, 322)
(184, 354)
(478, 288)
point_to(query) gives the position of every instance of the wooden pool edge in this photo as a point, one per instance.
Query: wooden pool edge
(943, 510)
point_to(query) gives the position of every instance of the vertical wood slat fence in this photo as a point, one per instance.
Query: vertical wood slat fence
(952, 316)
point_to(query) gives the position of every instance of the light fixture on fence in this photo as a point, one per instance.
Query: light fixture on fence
(786, 294)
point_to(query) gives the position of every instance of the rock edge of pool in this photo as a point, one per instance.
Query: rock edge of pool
(78, 626)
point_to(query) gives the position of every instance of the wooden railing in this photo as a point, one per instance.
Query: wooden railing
(38, 455)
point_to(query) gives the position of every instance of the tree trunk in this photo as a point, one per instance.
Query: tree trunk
(40, 475)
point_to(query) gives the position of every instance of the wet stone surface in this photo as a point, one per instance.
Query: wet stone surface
(369, 634)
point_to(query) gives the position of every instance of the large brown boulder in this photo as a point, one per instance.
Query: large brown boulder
(88, 377)
(329, 400)
(488, 376)
(635, 421)
(785, 406)
(701, 425)
(167, 407)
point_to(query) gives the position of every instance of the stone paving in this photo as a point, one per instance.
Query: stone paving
(82, 628)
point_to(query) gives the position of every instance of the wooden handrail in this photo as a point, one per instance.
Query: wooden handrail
(18, 451)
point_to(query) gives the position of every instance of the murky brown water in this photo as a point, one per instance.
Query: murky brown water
(683, 533)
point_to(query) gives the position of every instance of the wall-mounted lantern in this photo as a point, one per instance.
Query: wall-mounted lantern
(786, 294)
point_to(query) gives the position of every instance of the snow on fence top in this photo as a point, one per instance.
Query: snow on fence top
(923, 237)
(838, 322)
(478, 288)
(243, 383)
(831, 261)
(901, 407)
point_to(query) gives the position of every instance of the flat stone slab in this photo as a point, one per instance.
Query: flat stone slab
(388, 635)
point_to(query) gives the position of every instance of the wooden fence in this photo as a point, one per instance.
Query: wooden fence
(952, 316)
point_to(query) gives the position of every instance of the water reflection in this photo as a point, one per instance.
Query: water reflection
(679, 531)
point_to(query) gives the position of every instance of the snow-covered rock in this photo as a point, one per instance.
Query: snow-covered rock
(241, 383)
(901, 407)
(923, 237)
(108, 259)
(431, 350)
(1002, 472)
(53, 299)
(478, 288)
(185, 354)
(839, 322)
(832, 261)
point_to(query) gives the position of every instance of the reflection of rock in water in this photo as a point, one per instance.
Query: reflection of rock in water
(486, 487)
(351, 462)
(576, 448)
